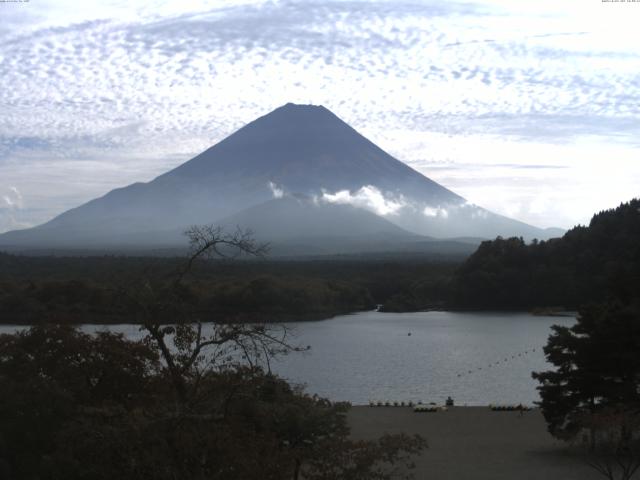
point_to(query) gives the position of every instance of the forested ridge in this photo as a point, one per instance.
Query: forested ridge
(588, 264)
(36, 290)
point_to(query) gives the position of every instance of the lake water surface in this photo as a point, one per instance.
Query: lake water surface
(477, 358)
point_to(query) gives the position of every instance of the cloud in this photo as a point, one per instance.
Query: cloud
(116, 92)
(435, 212)
(445, 211)
(12, 198)
(479, 213)
(173, 71)
(368, 197)
(276, 191)
(11, 206)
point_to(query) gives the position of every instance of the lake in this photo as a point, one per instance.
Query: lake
(476, 358)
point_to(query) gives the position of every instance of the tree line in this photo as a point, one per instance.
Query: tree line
(266, 297)
(34, 290)
(588, 264)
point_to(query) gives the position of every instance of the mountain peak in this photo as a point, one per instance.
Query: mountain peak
(305, 113)
(305, 149)
(302, 106)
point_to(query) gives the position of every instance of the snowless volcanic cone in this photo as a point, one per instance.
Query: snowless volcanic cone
(342, 183)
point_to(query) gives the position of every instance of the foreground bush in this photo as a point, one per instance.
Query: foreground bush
(77, 406)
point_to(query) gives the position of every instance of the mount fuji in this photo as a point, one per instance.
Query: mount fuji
(296, 176)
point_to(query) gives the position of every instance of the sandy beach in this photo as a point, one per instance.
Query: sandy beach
(477, 443)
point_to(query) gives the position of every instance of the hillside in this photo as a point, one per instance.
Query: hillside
(588, 264)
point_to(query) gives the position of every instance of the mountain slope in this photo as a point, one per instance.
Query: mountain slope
(302, 226)
(291, 218)
(294, 150)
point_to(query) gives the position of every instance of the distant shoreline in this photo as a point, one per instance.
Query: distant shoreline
(252, 318)
(291, 318)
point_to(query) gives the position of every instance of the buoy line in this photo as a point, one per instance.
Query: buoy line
(504, 360)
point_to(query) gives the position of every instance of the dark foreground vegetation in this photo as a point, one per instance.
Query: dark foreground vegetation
(186, 402)
(592, 397)
(75, 406)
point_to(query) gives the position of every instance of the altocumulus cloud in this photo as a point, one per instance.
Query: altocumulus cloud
(107, 94)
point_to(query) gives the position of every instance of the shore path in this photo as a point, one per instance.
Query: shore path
(477, 443)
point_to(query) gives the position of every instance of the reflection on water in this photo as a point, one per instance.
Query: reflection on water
(477, 358)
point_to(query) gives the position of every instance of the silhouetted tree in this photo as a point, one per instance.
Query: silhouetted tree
(165, 310)
(597, 364)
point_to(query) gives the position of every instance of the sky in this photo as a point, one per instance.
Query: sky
(527, 108)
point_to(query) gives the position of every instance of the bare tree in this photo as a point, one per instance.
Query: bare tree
(615, 450)
(188, 346)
